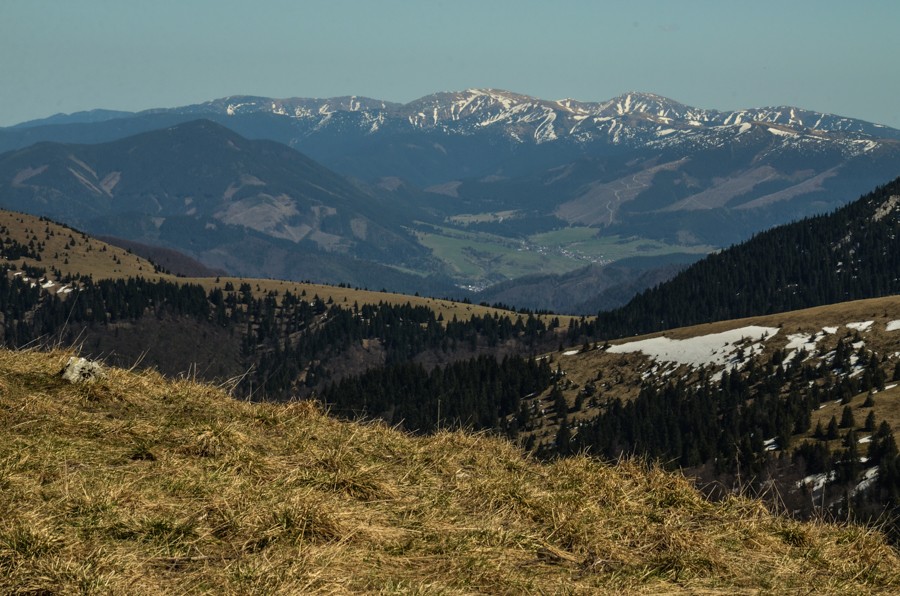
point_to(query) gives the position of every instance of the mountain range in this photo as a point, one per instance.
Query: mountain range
(524, 119)
(469, 189)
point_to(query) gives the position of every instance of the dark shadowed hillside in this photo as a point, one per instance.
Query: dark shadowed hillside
(849, 254)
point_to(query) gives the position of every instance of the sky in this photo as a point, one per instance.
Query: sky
(830, 56)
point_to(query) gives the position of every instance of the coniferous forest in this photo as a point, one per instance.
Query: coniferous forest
(849, 254)
(289, 345)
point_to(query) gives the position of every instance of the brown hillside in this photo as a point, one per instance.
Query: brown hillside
(71, 252)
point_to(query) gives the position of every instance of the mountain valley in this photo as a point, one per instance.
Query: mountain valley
(468, 189)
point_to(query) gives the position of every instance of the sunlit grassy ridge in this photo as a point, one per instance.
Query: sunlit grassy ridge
(136, 484)
(74, 253)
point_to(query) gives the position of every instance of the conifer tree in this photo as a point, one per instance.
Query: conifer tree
(870, 422)
(847, 420)
(831, 432)
(563, 438)
(870, 400)
(819, 433)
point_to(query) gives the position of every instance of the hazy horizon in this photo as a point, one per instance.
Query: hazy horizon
(826, 56)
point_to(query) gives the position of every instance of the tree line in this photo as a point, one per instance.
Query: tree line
(291, 344)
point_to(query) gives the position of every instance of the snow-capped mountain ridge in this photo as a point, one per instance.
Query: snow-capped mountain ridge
(630, 118)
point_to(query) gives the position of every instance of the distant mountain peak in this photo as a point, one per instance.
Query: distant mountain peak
(636, 101)
(84, 117)
(634, 118)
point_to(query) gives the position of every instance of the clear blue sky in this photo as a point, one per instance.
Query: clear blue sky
(69, 55)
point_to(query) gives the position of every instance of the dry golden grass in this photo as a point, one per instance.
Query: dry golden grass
(72, 252)
(886, 409)
(138, 485)
(347, 296)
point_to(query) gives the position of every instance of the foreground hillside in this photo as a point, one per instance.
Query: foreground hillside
(134, 484)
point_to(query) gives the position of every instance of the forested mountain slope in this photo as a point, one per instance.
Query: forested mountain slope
(252, 208)
(849, 254)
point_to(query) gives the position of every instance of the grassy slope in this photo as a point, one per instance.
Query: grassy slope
(134, 484)
(103, 261)
(86, 255)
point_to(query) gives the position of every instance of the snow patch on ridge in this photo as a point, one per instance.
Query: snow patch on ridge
(782, 133)
(860, 326)
(713, 349)
(802, 341)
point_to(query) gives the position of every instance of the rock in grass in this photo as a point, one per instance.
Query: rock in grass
(82, 370)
